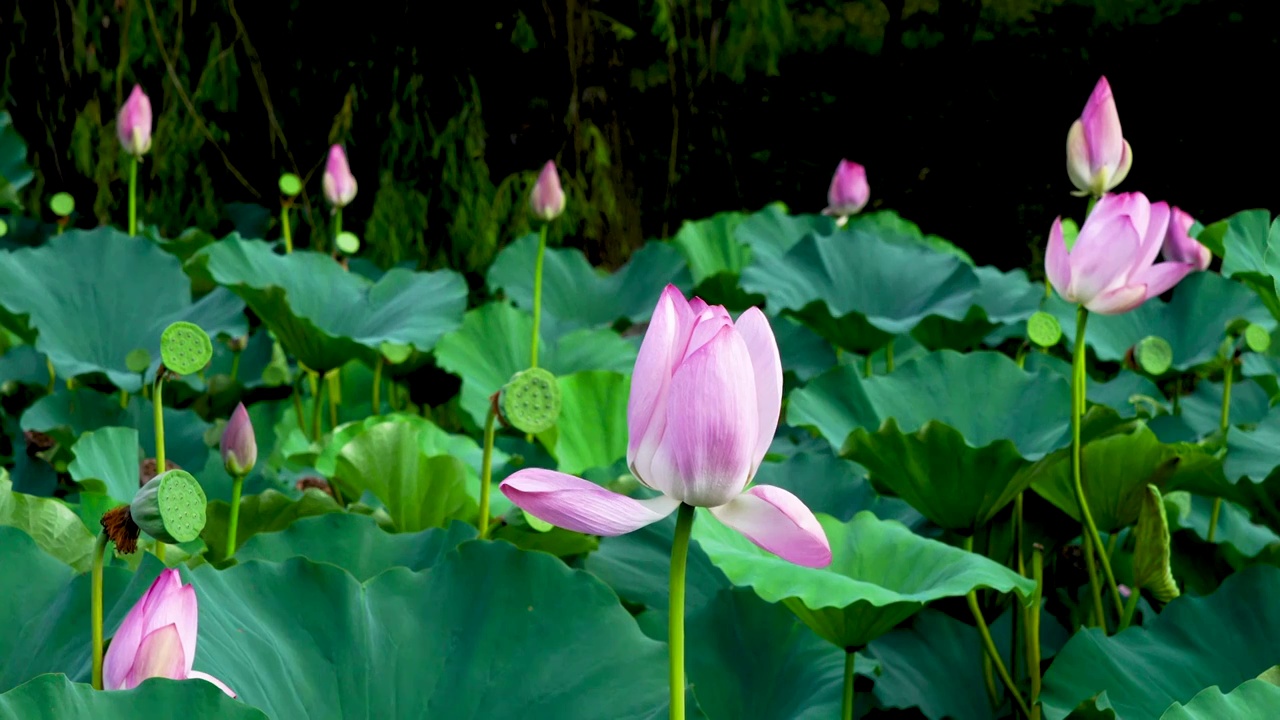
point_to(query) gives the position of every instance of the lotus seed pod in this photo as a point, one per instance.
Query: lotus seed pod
(170, 507)
(185, 348)
(530, 401)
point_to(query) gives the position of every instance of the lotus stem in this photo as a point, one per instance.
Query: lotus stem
(1092, 541)
(989, 682)
(1225, 425)
(675, 625)
(537, 295)
(888, 357)
(334, 381)
(124, 399)
(235, 365)
(337, 229)
(866, 366)
(486, 472)
(377, 386)
(1129, 607)
(159, 552)
(297, 407)
(133, 195)
(53, 375)
(850, 657)
(317, 402)
(1033, 629)
(285, 229)
(1017, 620)
(990, 646)
(157, 405)
(237, 484)
(95, 609)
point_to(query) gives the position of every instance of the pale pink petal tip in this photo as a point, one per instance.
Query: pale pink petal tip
(779, 522)
(576, 504)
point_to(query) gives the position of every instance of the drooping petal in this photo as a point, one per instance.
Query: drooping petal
(159, 655)
(1078, 169)
(1057, 263)
(766, 363)
(705, 455)
(197, 675)
(1159, 278)
(1119, 300)
(576, 504)
(779, 522)
(659, 353)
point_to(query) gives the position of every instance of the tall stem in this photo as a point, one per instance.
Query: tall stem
(157, 405)
(537, 295)
(334, 381)
(133, 195)
(1033, 629)
(1225, 425)
(95, 609)
(337, 229)
(317, 402)
(486, 472)
(377, 386)
(866, 366)
(1094, 541)
(675, 625)
(990, 646)
(849, 658)
(1129, 607)
(888, 357)
(285, 229)
(237, 484)
(235, 365)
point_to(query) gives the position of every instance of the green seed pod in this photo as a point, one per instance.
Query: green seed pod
(530, 401)
(185, 348)
(170, 507)
(1154, 355)
(1043, 329)
(1257, 338)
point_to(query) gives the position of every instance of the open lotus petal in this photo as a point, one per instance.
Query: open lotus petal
(779, 522)
(581, 505)
(1179, 246)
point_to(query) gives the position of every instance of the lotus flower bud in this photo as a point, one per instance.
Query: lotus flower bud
(1179, 246)
(133, 125)
(339, 184)
(239, 446)
(547, 199)
(849, 191)
(1098, 156)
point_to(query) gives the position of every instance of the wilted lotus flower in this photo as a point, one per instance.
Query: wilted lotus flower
(157, 638)
(1111, 269)
(1179, 246)
(1098, 156)
(547, 198)
(339, 184)
(239, 446)
(849, 191)
(705, 398)
(133, 125)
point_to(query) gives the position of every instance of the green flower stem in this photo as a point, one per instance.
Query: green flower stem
(53, 375)
(1225, 425)
(235, 364)
(537, 295)
(124, 399)
(486, 472)
(1018, 621)
(888, 357)
(990, 646)
(1129, 607)
(157, 404)
(1093, 541)
(159, 551)
(133, 195)
(989, 682)
(334, 380)
(317, 402)
(1033, 629)
(866, 366)
(849, 658)
(675, 625)
(337, 229)
(377, 386)
(285, 229)
(297, 406)
(95, 610)
(237, 484)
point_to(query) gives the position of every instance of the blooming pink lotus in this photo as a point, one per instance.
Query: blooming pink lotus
(547, 199)
(1111, 268)
(1179, 246)
(705, 397)
(133, 124)
(1098, 156)
(157, 638)
(339, 184)
(849, 191)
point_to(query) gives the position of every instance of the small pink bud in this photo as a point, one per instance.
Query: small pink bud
(547, 199)
(239, 446)
(339, 184)
(133, 125)
(1098, 156)
(1179, 246)
(849, 191)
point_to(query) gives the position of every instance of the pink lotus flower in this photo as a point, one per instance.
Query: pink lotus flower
(157, 638)
(1111, 269)
(849, 191)
(133, 124)
(339, 184)
(547, 198)
(1098, 156)
(705, 398)
(239, 444)
(1179, 246)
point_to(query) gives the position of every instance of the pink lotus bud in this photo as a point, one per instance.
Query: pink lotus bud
(133, 125)
(849, 191)
(239, 446)
(1111, 268)
(339, 184)
(157, 638)
(1098, 156)
(547, 199)
(1179, 246)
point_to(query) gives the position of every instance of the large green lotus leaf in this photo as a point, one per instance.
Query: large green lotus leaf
(1251, 700)
(1001, 299)
(948, 433)
(804, 352)
(881, 574)
(893, 227)
(55, 697)
(23, 365)
(96, 295)
(1192, 512)
(772, 232)
(835, 486)
(1125, 392)
(107, 462)
(356, 544)
(1248, 242)
(67, 414)
(325, 316)
(1117, 466)
(1253, 453)
(1195, 643)
(1200, 412)
(577, 295)
(15, 174)
(1194, 321)
(389, 648)
(420, 491)
(711, 247)
(266, 512)
(54, 527)
(494, 343)
(592, 429)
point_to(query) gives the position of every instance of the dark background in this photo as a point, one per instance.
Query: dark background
(958, 108)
